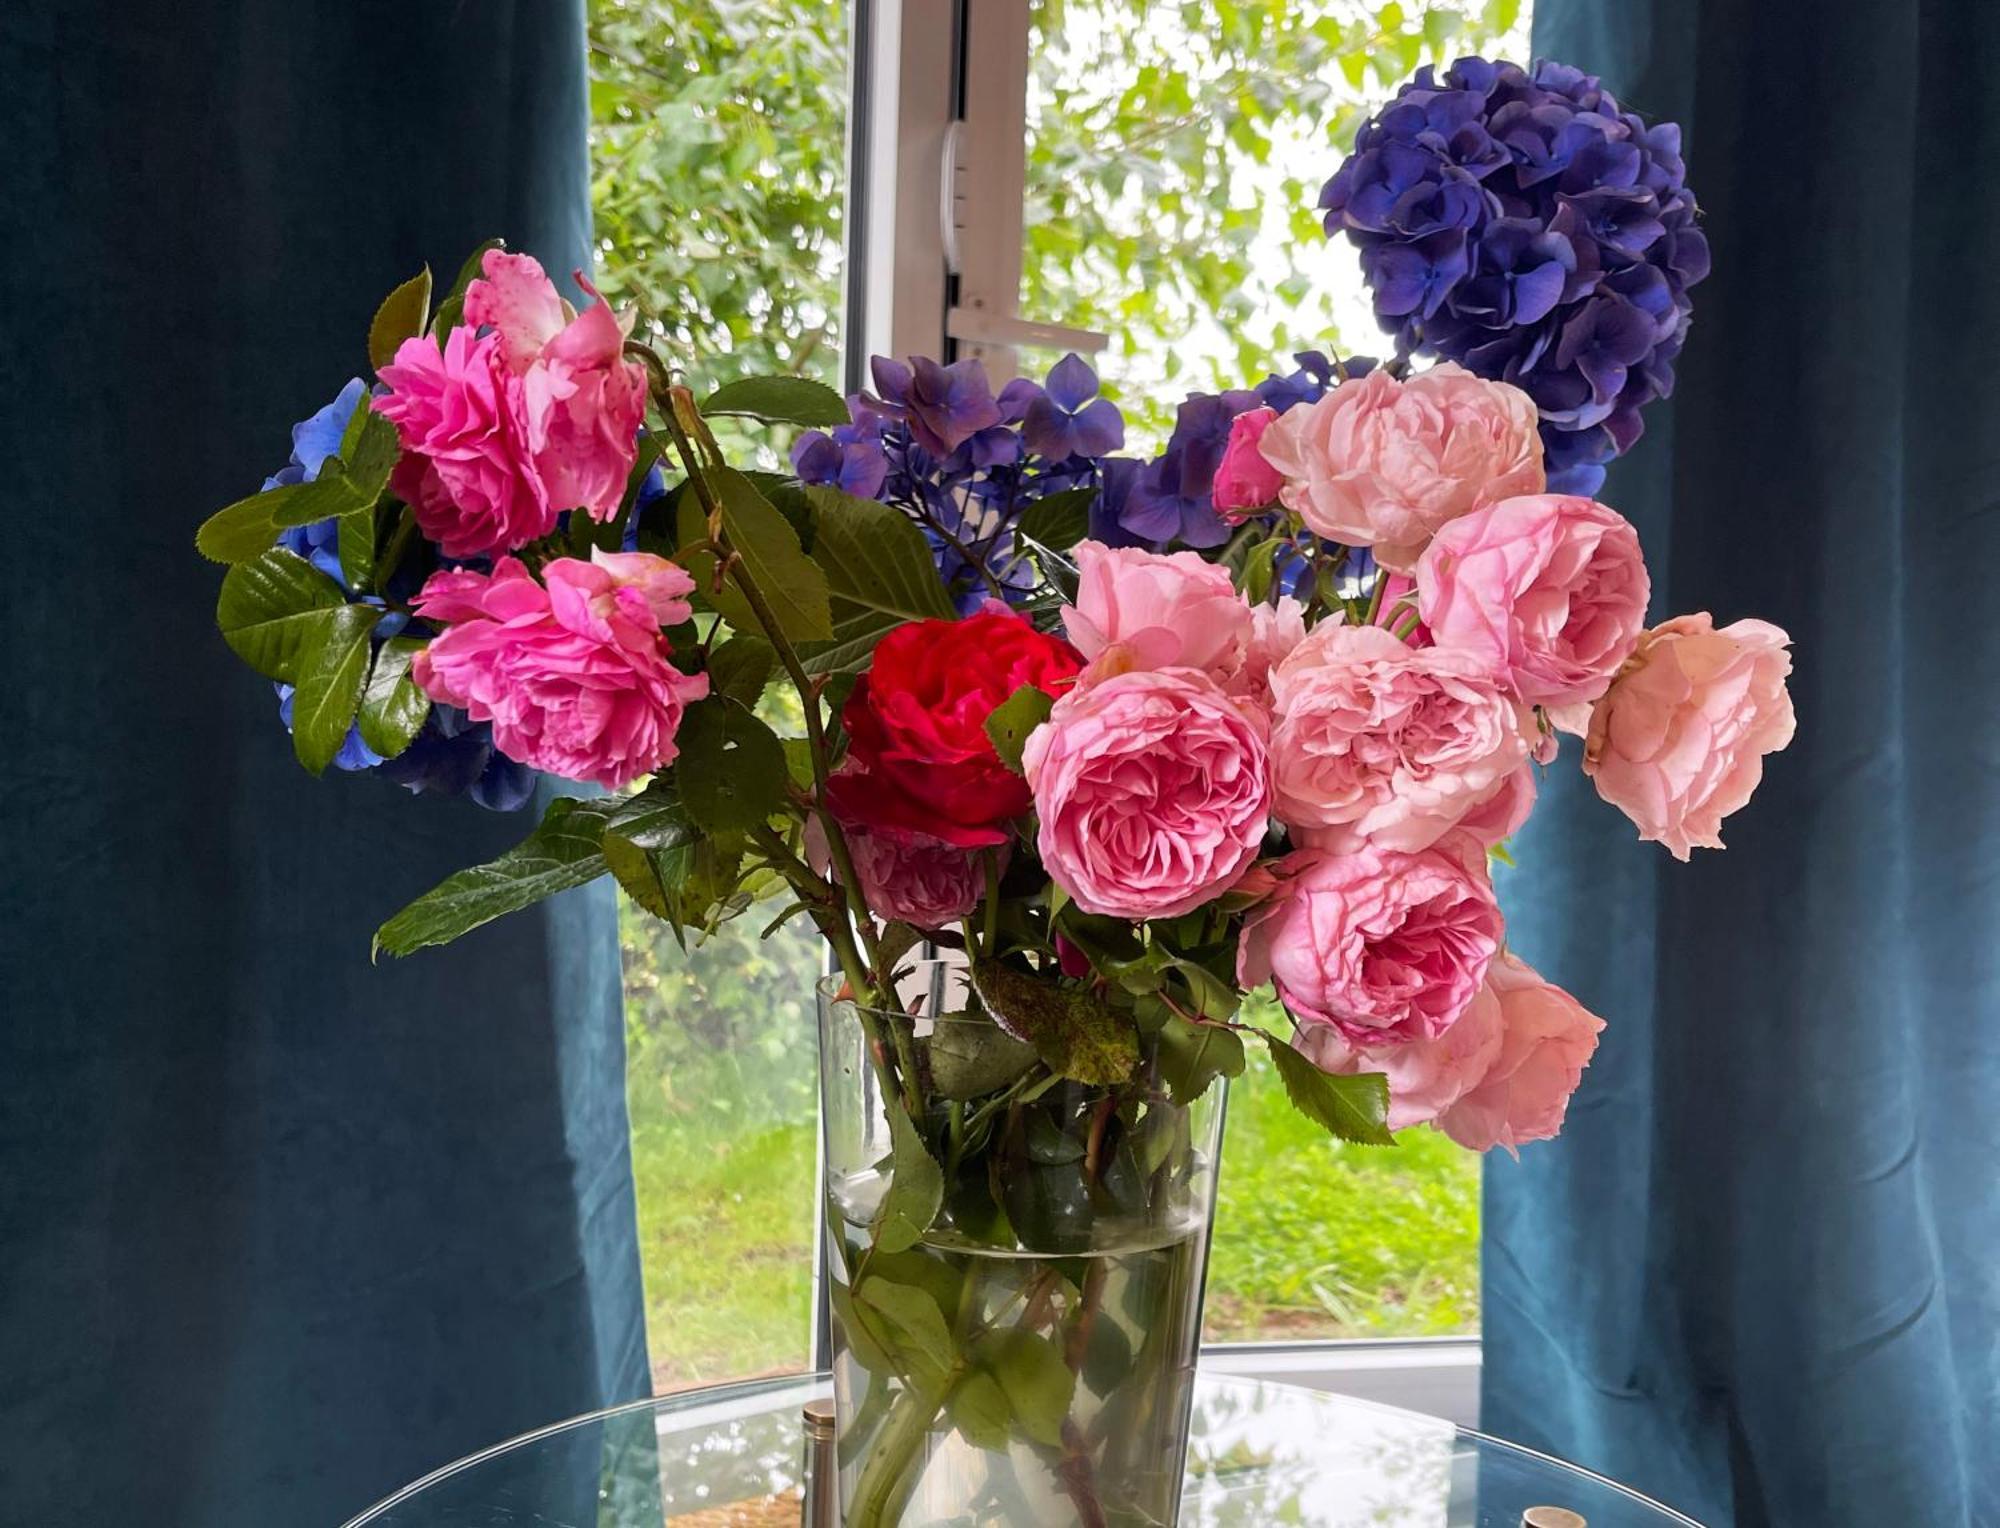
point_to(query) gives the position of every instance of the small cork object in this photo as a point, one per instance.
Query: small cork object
(1552, 1517)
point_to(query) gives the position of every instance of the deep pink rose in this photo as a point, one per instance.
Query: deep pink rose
(572, 671)
(924, 881)
(1426, 1077)
(505, 431)
(1387, 464)
(1146, 610)
(1546, 1040)
(1381, 742)
(1550, 590)
(1678, 742)
(1153, 793)
(1384, 946)
(1245, 483)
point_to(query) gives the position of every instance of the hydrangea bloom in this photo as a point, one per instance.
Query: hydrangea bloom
(1532, 229)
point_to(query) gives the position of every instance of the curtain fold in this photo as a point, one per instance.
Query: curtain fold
(279, 1230)
(1756, 1276)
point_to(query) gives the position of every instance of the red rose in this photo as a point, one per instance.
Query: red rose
(916, 726)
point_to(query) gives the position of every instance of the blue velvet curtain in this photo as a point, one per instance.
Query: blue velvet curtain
(279, 1230)
(1757, 1276)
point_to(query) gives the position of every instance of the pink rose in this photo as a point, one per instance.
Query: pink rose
(1153, 792)
(1549, 590)
(1274, 631)
(1426, 1077)
(1386, 743)
(1386, 947)
(1678, 742)
(505, 431)
(1150, 611)
(1245, 483)
(1386, 464)
(1546, 1040)
(572, 672)
(924, 881)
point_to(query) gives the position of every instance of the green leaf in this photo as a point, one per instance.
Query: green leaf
(403, 313)
(731, 769)
(1032, 1375)
(978, 1408)
(791, 583)
(392, 707)
(1191, 1056)
(780, 400)
(970, 1056)
(1075, 1032)
(740, 668)
(916, 1186)
(565, 851)
(330, 673)
(1352, 1108)
(348, 482)
(906, 1323)
(368, 452)
(272, 609)
(875, 557)
(357, 537)
(1058, 521)
(1013, 719)
(861, 1343)
(855, 633)
(648, 846)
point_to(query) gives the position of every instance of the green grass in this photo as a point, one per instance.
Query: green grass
(1312, 1238)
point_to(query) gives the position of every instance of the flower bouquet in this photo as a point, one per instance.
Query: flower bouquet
(1063, 752)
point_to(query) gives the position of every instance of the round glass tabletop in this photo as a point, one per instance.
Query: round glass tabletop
(733, 1456)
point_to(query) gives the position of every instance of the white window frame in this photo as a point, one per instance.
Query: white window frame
(937, 171)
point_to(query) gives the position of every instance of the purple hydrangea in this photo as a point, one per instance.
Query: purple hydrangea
(935, 441)
(1530, 228)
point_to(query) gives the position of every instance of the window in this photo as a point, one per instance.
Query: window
(1133, 178)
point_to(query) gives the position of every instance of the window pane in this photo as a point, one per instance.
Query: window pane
(719, 182)
(1175, 154)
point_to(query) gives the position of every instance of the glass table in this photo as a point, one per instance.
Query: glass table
(732, 1456)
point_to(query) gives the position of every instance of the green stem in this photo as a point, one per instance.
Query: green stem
(910, 1416)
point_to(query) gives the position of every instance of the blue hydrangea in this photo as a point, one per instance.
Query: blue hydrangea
(451, 754)
(1529, 227)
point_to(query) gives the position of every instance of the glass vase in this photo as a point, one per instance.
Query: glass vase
(1027, 1355)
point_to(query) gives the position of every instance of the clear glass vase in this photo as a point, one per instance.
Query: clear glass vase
(1028, 1355)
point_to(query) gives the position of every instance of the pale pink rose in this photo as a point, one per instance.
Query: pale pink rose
(1387, 464)
(1245, 483)
(1274, 631)
(1546, 1040)
(1376, 741)
(1678, 742)
(1146, 610)
(505, 431)
(573, 671)
(1153, 793)
(1426, 1077)
(1500, 816)
(921, 880)
(1549, 590)
(467, 468)
(1386, 947)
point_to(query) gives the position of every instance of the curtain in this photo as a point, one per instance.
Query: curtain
(279, 1229)
(1757, 1275)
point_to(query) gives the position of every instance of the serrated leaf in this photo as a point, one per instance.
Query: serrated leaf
(1058, 521)
(1032, 1375)
(779, 400)
(1077, 1033)
(368, 452)
(916, 1186)
(731, 768)
(1010, 722)
(402, 315)
(792, 584)
(564, 852)
(860, 1339)
(906, 1324)
(855, 633)
(875, 557)
(330, 674)
(970, 1056)
(1191, 1056)
(740, 668)
(648, 846)
(1351, 1108)
(978, 1408)
(273, 608)
(392, 707)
